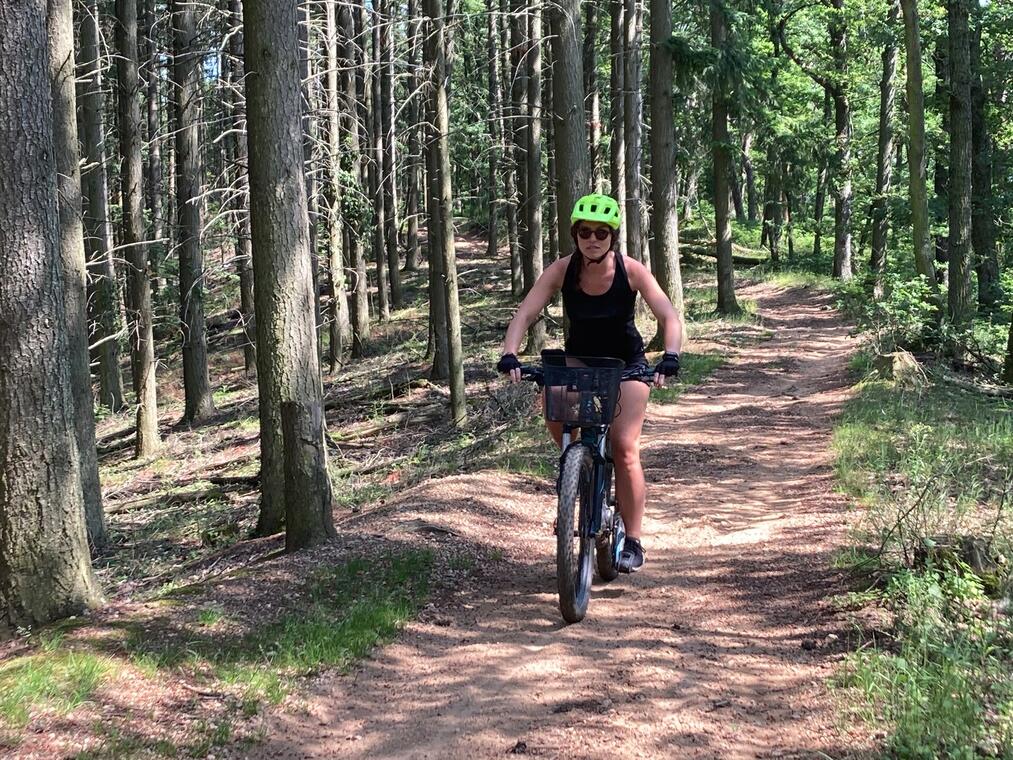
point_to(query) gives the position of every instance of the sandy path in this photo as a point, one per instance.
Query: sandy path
(719, 648)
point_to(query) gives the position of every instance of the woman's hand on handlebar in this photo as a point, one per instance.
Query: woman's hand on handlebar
(667, 367)
(508, 365)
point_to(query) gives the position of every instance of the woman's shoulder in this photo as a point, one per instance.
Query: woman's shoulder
(561, 265)
(635, 271)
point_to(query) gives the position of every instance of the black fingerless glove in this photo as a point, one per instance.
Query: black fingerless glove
(506, 363)
(669, 365)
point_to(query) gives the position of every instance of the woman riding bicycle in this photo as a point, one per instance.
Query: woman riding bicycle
(600, 288)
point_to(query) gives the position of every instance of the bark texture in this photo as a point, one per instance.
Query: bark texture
(884, 163)
(983, 227)
(351, 57)
(139, 308)
(917, 182)
(960, 302)
(388, 150)
(664, 177)
(240, 155)
(573, 159)
(617, 119)
(287, 365)
(340, 328)
(533, 253)
(98, 225)
(633, 120)
(722, 161)
(45, 572)
(72, 256)
(435, 53)
(186, 100)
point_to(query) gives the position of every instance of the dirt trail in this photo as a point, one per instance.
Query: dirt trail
(720, 648)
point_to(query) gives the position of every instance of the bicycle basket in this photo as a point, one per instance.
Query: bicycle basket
(581, 395)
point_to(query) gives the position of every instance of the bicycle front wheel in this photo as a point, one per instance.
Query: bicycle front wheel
(574, 547)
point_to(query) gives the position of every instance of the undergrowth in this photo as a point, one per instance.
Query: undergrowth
(340, 614)
(931, 467)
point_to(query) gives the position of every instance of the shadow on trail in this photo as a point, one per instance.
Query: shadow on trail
(501, 667)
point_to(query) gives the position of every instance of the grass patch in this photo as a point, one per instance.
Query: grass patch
(926, 465)
(340, 614)
(693, 369)
(945, 689)
(54, 678)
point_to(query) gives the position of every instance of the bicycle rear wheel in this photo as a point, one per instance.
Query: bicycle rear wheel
(573, 545)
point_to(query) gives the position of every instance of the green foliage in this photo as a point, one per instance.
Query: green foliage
(341, 613)
(945, 688)
(53, 677)
(931, 466)
(903, 318)
(692, 371)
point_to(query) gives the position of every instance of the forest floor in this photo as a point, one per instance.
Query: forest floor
(212, 644)
(721, 648)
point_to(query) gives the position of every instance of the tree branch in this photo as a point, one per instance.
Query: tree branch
(820, 79)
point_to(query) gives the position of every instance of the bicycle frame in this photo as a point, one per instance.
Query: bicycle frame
(596, 439)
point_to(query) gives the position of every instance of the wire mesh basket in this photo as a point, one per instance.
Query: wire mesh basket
(585, 394)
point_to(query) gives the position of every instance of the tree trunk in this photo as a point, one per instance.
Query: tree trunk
(71, 250)
(772, 211)
(664, 177)
(156, 208)
(960, 302)
(186, 101)
(941, 171)
(633, 118)
(436, 55)
(354, 81)
(747, 166)
(552, 172)
(617, 116)
(822, 181)
(293, 455)
(533, 253)
(237, 143)
(1007, 372)
(413, 252)
(573, 161)
(339, 327)
(309, 140)
(735, 188)
(884, 164)
(918, 190)
(510, 157)
(374, 128)
(140, 312)
(99, 237)
(842, 139)
(722, 162)
(519, 36)
(983, 232)
(592, 97)
(44, 568)
(387, 151)
(492, 32)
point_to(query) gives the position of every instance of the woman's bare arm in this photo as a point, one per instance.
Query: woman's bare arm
(538, 298)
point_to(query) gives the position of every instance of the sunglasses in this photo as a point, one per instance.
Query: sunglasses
(600, 233)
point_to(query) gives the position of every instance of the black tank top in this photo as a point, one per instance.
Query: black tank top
(602, 325)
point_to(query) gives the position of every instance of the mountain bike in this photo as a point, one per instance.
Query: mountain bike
(583, 393)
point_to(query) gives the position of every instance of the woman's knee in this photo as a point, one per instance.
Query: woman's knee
(626, 451)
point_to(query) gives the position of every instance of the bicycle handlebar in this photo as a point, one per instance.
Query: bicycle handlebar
(642, 372)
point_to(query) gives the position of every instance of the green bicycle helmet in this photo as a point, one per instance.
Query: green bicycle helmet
(596, 208)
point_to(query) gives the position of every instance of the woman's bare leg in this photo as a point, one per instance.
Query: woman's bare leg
(631, 490)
